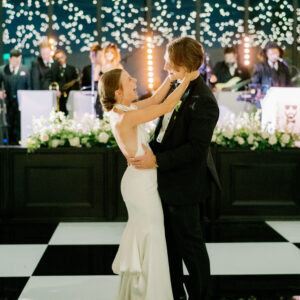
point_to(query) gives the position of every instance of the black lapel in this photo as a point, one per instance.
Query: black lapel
(158, 126)
(7, 70)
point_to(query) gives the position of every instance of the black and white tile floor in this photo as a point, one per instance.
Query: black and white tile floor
(72, 261)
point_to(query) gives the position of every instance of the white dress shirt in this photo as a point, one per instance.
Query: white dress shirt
(14, 70)
(164, 126)
(273, 65)
(232, 69)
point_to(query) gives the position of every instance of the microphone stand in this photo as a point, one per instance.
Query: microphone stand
(3, 122)
(93, 96)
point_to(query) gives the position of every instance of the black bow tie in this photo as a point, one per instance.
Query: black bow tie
(174, 84)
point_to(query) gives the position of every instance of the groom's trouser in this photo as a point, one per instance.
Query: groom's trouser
(185, 242)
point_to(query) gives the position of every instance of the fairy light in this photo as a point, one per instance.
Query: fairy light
(74, 24)
(247, 51)
(149, 45)
(52, 43)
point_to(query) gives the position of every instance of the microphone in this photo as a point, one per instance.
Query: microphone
(207, 68)
(280, 59)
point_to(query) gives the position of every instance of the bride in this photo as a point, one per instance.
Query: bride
(142, 260)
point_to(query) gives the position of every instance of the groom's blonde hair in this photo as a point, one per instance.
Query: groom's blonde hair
(186, 52)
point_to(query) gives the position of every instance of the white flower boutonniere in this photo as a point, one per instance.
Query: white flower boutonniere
(178, 106)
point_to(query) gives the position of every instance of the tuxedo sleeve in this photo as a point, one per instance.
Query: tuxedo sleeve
(288, 77)
(203, 115)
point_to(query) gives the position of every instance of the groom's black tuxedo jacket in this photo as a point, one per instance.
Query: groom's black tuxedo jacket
(185, 165)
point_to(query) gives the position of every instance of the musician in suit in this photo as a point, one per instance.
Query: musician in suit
(14, 76)
(86, 75)
(270, 71)
(225, 70)
(41, 68)
(66, 76)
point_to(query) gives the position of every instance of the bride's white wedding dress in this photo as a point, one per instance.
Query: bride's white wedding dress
(142, 260)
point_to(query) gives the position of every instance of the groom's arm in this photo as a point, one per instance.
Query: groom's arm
(203, 117)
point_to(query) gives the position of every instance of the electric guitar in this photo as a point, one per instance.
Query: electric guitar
(234, 84)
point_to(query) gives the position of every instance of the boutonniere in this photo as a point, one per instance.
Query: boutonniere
(178, 106)
(22, 73)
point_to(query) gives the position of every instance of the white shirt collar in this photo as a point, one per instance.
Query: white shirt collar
(46, 63)
(273, 65)
(14, 70)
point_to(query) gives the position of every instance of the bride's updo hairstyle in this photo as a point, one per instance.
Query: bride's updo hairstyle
(109, 83)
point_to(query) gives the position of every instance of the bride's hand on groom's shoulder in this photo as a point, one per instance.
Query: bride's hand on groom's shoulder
(192, 75)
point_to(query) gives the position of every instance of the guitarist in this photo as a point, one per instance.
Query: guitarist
(66, 76)
(229, 68)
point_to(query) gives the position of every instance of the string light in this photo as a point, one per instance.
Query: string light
(52, 43)
(74, 24)
(247, 50)
(149, 41)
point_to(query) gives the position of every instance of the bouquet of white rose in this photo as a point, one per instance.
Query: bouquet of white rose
(60, 131)
(246, 131)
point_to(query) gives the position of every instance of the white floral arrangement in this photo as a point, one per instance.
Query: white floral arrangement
(246, 131)
(61, 131)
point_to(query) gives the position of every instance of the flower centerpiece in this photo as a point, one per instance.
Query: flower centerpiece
(246, 131)
(61, 131)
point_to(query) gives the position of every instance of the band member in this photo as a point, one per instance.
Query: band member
(86, 75)
(225, 70)
(271, 71)
(14, 76)
(66, 76)
(41, 68)
(111, 58)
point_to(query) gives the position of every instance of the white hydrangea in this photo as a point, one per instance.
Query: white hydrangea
(55, 143)
(240, 140)
(103, 137)
(285, 138)
(75, 142)
(273, 140)
(44, 137)
(250, 139)
(228, 133)
(265, 134)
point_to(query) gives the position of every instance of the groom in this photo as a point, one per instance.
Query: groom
(181, 153)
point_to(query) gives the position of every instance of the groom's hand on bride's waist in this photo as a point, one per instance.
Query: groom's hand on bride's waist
(146, 161)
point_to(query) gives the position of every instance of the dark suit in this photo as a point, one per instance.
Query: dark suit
(221, 70)
(13, 83)
(86, 76)
(63, 75)
(264, 74)
(86, 81)
(183, 182)
(41, 75)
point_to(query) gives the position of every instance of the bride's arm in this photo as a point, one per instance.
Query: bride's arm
(152, 112)
(157, 97)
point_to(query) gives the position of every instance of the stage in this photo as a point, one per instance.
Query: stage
(83, 184)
